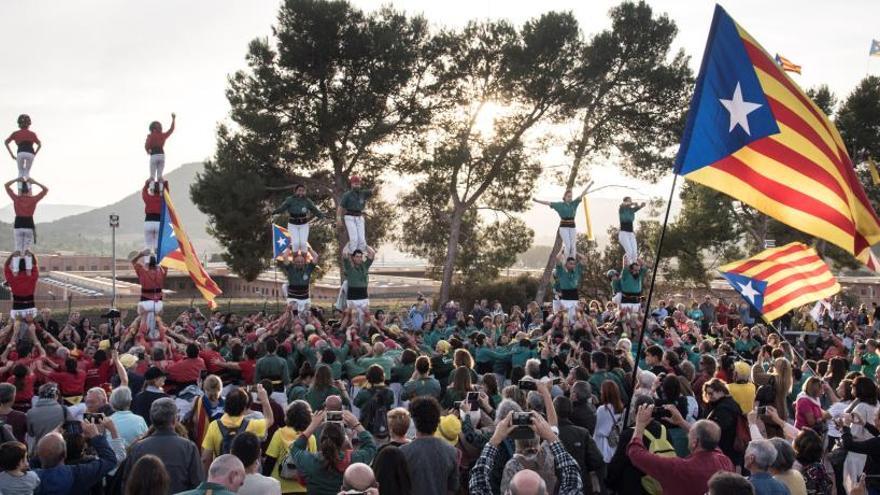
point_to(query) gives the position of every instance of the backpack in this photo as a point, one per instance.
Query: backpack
(287, 468)
(229, 435)
(614, 434)
(743, 436)
(6, 434)
(375, 417)
(662, 447)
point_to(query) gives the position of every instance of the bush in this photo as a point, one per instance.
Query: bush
(509, 291)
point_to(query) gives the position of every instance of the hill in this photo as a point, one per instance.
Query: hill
(48, 212)
(89, 231)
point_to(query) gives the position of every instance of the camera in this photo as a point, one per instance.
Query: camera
(94, 418)
(660, 412)
(522, 422)
(457, 404)
(333, 417)
(522, 419)
(528, 385)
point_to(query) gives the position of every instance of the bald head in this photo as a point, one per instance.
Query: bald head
(527, 482)
(378, 349)
(358, 476)
(333, 403)
(51, 450)
(227, 470)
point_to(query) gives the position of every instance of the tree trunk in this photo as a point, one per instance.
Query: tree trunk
(341, 233)
(451, 253)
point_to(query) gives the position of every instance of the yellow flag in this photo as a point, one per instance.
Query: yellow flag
(872, 167)
(587, 216)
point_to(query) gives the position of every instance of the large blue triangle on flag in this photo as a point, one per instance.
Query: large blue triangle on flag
(167, 240)
(750, 289)
(280, 241)
(729, 108)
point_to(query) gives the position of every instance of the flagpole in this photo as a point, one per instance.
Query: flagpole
(650, 294)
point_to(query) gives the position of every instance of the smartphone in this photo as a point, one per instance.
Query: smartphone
(473, 397)
(762, 409)
(457, 404)
(333, 417)
(557, 380)
(528, 385)
(94, 418)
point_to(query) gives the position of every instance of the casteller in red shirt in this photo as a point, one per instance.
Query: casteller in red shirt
(24, 391)
(25, 139)
(70, 384)
(98, 375)
(152, 202)
(152, 281)
(211, 357)
(186, 370)
(25, 204)
(155, 143)
(21, 284)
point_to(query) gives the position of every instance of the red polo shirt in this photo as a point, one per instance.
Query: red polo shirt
(186, 371)
(68, 383)
(684, 476)
(211, 358)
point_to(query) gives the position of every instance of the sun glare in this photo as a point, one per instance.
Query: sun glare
(489, 113)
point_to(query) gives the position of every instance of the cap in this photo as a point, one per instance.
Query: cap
(153, 373)
(128, 360)
(449, 429)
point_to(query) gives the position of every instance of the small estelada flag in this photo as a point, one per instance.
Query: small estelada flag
(777, 280)
(787, 65)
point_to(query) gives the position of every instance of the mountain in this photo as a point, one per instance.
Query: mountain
(48, 212)
(89, 231)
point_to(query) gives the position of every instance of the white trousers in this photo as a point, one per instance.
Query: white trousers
(24, 241)
(150, 309)
(299, 237)
(343, 295)
(23, 313)
(25, 161)
(357, 237)
(151, 236)
(569, 241)
(630, 247)
(631, 307)
(157, 166)
(361, 306)
(570, 306)
(618, 296)
(301, 305)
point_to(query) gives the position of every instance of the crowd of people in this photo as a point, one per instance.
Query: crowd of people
(486, 400)
(569, 397)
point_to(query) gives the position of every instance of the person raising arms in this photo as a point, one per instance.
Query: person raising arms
(155, 147)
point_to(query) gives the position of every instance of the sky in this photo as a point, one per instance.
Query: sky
(93, 73)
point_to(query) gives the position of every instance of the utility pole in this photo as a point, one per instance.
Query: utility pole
(114, 223)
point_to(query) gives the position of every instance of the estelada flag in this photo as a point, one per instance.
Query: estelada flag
(754, 135)
(777, 280)
(176, 252)
(787, 65)
(280, 242)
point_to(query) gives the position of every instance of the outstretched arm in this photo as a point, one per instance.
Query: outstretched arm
(536, 200)
(586, 190)
(171, 129)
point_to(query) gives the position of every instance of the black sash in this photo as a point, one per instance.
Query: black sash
(353, 213)
(298, 219)
(298, 291)
(26, 147)
(570, 294)
(153, 217)
(22, 302)
(356, 293)
(567, 222)
(626, 226)
(157, 150)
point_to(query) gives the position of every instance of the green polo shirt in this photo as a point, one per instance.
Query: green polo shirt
(357, 276)
(298, 277)
(422, 387)
(568, 280)
(628, 213)
(298, 207)
(566, 209)
(273, 368)
(630, 284)
(355, 199)
(215, 488)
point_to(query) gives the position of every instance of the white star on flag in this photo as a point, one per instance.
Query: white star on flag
(739, 110)
(749, 291)
(281, 242)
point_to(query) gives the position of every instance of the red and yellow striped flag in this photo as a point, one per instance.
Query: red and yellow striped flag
(777, 280)
(787, 65)
(176, 252)
(754, 135)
